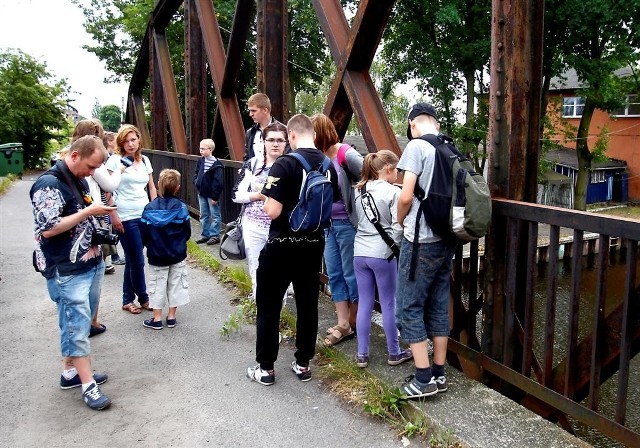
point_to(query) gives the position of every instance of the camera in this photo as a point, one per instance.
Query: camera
(103, 236)
(127, 161)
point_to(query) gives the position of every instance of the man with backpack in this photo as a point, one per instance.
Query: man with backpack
(422, 309)
(298, 191)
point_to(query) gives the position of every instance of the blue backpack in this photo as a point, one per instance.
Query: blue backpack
(313, 210)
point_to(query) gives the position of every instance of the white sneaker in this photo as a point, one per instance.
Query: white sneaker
(258, 375)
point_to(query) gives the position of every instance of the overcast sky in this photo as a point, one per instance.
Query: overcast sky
(51, 31)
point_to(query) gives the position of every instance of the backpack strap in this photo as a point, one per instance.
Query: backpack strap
(300, 159)
(376, 223)
(420, 194)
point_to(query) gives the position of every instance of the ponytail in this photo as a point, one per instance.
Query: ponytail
(374, 162)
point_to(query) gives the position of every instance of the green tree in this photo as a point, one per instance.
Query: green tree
(596, 38)
(33, 105)
(110, 115)
(444, 46)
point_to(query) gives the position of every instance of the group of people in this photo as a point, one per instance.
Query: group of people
(89, 193)
(368, 246)
(77, 205)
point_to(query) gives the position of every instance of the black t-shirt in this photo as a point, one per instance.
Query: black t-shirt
(284, 183)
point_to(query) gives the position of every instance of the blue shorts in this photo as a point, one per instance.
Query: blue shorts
(77, 297)
(422, 305)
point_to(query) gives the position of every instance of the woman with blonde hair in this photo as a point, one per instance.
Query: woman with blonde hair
(131, 196)
(375, 261)
(338, 250)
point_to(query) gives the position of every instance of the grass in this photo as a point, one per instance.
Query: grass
(630, 212)
(358, 387)
(6, 182)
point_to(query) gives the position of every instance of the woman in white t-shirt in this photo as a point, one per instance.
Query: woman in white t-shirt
(135, 189)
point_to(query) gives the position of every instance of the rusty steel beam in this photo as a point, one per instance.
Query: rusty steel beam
(195, 80)
(242, 20)
(353, 51)
(227, 106)
(158, 107)
(178, 135)
(137, 116)
(273, 71)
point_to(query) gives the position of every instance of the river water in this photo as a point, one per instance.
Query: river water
(614, 296)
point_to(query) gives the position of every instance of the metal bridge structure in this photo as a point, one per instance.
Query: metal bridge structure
(503, 333)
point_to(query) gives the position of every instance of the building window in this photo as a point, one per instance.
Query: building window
(597, 177)
(631, 107)
(572, 107)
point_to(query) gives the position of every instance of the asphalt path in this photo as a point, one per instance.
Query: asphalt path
(181, 387)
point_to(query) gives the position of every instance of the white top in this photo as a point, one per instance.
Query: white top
(418, 157)
(258, 146)
(368, 242)
(131, 196)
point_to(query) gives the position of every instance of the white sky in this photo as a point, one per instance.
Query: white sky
(52, 32)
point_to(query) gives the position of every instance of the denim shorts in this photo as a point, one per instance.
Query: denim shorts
(338, 257)
(422, 305)
(76, 296)
(168, 285)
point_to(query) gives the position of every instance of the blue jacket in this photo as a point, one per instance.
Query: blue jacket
(209, 184)
(166, 227)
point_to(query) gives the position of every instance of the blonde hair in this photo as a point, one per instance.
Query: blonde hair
(374, 162)
(168, 182)
(259, 100)
(326, 135)
(210, 144)
(86, 145)
(300, 124)
(124, 130)
(87, 127)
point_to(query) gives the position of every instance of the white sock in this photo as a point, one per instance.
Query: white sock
(86, 386)
(68, 374)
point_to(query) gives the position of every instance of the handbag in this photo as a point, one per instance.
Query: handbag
(232, 242)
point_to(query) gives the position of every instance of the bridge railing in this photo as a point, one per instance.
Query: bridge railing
(549, 353)
(186, 165)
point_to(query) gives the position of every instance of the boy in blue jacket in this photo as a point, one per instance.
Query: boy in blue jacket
(166, 227)
(208, 181)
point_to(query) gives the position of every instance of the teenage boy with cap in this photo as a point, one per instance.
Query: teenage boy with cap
(422, 307)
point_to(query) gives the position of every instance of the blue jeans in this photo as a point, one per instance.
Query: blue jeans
(76, 297)
(338, 256)
(134, 282)
(210, 217)
(422, 305)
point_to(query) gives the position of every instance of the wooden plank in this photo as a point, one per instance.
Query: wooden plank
(550, 308)
(598, 322)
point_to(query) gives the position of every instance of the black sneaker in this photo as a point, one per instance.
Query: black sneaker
(202, 240)
(303, 373)
(171, 323)
(154, 325)
(266, 377)
(441, 382)
(95, 399)
(413, 388)
(213, 240)
(99, 378)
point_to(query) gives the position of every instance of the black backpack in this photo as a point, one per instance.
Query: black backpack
(458, 205)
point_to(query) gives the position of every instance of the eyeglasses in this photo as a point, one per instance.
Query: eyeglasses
(279, 141)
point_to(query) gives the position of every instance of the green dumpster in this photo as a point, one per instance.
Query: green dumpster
(11, 159)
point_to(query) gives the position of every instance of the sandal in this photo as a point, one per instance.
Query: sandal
(330, 330)
(345, 333)
(131, 308)
(146, 306)
(94, 331)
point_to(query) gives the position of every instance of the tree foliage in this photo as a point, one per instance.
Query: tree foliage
(110, 116)
(597, 37)
(443, 45)
(33, 105)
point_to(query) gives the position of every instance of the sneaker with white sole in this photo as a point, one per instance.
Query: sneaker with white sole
(303, 373)
(442, 384)
(95, 399)
(413, 388)
(265, 377)
(65, 384)
(404, 355)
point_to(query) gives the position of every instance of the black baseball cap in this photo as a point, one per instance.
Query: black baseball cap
(420, 109)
